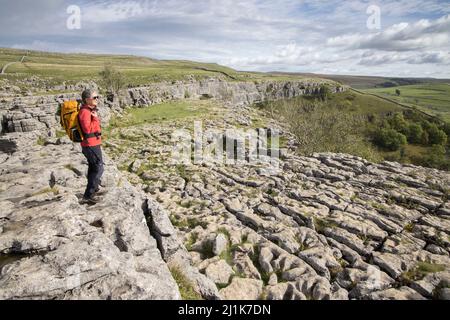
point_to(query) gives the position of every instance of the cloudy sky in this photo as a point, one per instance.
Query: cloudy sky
(321, 36)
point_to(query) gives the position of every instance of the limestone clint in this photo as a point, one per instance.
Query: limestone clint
(91, 145)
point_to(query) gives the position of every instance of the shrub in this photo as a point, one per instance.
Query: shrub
(112, 79)
(436, 135)
(424, 139)
(185, 286)
(389, 139)
(436, 158)
(399, 123)
(415, 133)
(321, 128)
(446, 128)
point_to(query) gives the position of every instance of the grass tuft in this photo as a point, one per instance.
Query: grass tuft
(184, 285)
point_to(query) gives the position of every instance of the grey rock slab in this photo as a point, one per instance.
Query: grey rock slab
(219, 272)
(242, 289)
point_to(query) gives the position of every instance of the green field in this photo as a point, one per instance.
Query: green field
(56, 68)
(433, 99)
(363, 104)
(168, 111)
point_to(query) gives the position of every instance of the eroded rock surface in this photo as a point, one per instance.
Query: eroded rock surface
(51, 247)
(330, 226)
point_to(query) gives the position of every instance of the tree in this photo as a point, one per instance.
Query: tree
(389, 139)
(436, 135)
(446, 128)
(397, 92)
(415, 133)
(113, 79)
(318, 127)
(424, 139)
(399, 123)
(436, 158)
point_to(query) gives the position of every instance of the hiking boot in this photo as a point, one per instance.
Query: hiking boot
(89, 201)
(100, 192)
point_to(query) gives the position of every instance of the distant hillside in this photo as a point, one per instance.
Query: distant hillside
(367, 82)
(57, 68)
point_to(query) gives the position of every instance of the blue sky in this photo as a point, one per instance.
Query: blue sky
(321, 36)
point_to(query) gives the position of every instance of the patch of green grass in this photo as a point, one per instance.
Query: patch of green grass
(168, 111)
(227, 255)
(263, 296)
(193, 237)
(364, 238)
(259, 123)
(303, 246)
(224, 231)
(342, 262)
(321, 224)
(60, 134)
(305, 186)
(361, 104)
(282, 142)
(41, 141)
(53, 190)
(194, 222)
(406, 203)
(409, 227)
(265, 276)
(190, 223)
(181, 171)
(378, 206)
(221, 285)
(420, 270)
(192, 203)
(187, 204)
(176, 222)
(184, 285)
(433, 98)
(273, 193)
(409, 154)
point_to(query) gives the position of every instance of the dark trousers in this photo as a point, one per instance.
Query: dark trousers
(95, 171)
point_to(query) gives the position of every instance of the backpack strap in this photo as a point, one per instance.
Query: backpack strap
(92, 135)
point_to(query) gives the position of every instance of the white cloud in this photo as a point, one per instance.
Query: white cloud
(404, 36)
(290, 35)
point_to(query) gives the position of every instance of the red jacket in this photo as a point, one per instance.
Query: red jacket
(89, 124)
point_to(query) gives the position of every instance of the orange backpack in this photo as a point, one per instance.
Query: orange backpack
(69, 120)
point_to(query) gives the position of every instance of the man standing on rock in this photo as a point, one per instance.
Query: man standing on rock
(91, 145)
